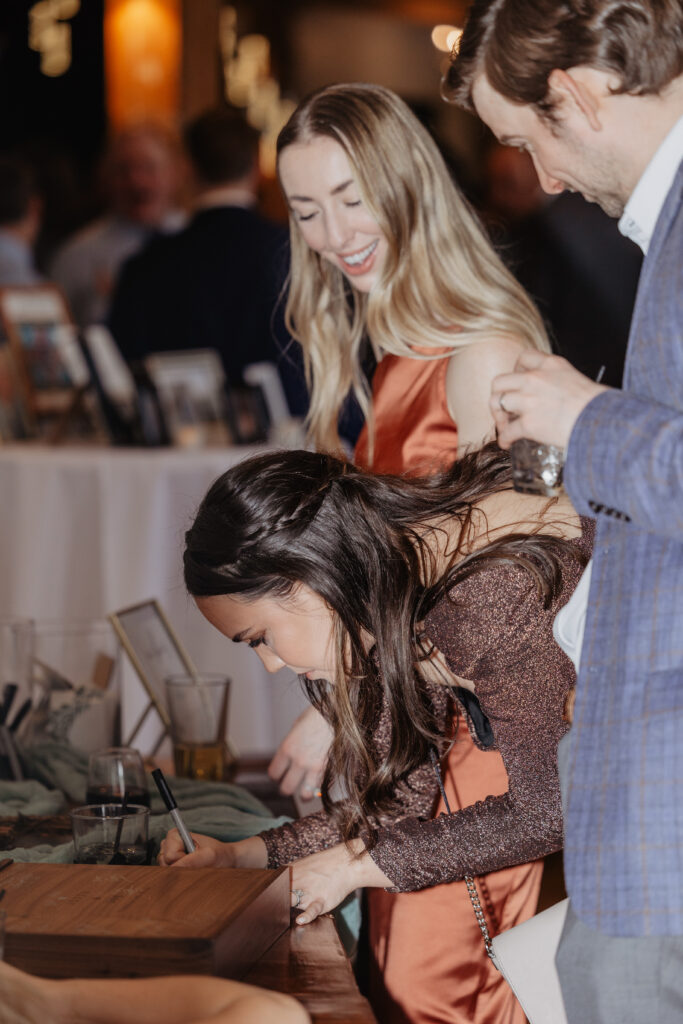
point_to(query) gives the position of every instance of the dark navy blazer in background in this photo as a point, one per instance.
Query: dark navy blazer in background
(213, 285)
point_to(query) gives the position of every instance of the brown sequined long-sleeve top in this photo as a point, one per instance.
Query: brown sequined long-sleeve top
(493, 631)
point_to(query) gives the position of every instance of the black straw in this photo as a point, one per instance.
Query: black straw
(118, 858)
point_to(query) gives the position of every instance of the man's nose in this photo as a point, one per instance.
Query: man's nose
(549, 184)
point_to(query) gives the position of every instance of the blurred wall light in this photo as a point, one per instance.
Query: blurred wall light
(445, 37)
(453, 39)
(142, 58)
(249, 84)
(50, 35)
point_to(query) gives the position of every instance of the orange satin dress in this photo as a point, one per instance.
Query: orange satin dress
(428, 963)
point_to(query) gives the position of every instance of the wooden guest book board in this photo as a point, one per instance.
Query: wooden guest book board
(81, 920)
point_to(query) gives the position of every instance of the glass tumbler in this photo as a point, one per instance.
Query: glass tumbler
(198, 707)
(108, 834)
(536, 468)
(115, 772)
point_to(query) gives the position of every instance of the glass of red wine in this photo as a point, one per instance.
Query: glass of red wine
(115, 773)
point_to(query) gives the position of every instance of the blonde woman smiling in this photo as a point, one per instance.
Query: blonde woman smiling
(385, 246)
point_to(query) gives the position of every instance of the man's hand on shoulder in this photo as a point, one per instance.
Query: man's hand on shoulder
(541, 399)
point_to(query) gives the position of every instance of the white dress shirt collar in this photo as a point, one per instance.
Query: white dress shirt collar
(643, 208)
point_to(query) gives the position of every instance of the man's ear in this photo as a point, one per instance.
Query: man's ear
(577, 93)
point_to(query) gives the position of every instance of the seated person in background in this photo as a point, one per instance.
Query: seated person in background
(182, 1000)
(141, 180)
(216, 283)
(20, 217)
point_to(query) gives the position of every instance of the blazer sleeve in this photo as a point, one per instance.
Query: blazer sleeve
(625, 460)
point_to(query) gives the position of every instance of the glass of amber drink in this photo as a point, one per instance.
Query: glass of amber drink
(198, 708)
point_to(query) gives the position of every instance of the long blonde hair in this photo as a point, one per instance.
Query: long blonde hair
(442, 284)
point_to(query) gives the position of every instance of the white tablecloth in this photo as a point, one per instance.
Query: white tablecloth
(87, 531)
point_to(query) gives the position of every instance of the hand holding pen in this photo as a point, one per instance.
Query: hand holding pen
(172, 807)
(206, 852)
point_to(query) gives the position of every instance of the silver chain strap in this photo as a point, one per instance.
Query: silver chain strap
(472, 891)
(481, 919)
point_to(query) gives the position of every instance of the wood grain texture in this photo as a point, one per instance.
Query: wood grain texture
(310, 964)
(67, 920)
(31, 831)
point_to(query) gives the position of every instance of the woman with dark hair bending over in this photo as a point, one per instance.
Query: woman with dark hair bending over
(354, 581)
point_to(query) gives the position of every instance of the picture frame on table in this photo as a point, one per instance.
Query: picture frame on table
(248, 414)
(191, 388)
(51, 372)
(156, 652)
(15, 422)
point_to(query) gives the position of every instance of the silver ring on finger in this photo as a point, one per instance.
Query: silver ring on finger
(299, 893)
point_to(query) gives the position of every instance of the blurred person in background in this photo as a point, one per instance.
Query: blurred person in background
(141, 177)
(21, 209)
(216, 283)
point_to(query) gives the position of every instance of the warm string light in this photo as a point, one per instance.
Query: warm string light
(142, 57)
(249, 84)
(446, 37)
(49, 34)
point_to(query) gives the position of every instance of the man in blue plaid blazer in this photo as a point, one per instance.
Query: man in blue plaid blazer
(593, 89)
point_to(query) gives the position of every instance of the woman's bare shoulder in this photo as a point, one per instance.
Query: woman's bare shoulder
(498, 354)
(469, 374)
(510, 512)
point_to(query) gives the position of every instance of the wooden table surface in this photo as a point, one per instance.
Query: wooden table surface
(310, 964)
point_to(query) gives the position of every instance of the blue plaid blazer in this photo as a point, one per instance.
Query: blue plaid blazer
(624, 821)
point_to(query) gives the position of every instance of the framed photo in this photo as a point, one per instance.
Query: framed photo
(15, 421)
(156, 652)
(111, 368)
(248, 414)
(44, 344)
(191, 389)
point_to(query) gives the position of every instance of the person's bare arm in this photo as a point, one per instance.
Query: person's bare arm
(320, 882)
(299, 762)
(212, 853)
(176, 1000)
(471, 370)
